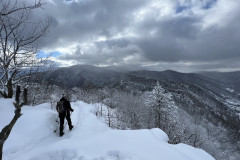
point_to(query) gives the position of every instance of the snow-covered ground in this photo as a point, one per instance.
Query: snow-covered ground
(32, 138)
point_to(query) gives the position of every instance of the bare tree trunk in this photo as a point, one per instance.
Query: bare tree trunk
(109, 119)
(158, 120)
(1, 150)
(25, 95)
(3, 94)
(10, 89)
(18, 91)
(7, 129)
(9, 93)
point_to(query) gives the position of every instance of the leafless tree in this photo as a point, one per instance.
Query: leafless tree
(19, 34)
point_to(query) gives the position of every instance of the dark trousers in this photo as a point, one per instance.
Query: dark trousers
(62, 117)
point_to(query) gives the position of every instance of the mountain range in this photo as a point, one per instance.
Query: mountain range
(216, 91)
(211, 99)
(86, 75)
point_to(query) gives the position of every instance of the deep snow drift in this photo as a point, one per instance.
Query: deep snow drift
(32, 138)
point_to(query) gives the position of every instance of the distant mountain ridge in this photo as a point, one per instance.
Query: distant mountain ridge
(81, 75)
(87, 75)
(192, 78)
(230, 78)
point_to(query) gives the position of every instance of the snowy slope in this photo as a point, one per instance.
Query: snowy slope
(32, 138)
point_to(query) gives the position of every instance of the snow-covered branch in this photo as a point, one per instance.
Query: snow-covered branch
(18, 48)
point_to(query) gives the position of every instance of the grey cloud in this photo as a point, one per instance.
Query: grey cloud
(218, 44)
(80, 21)
(122, 43)
(102, 55)
(169, 39)
(182, 38)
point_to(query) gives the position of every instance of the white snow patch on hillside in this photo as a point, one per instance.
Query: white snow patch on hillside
(32, 138)
(230, 90)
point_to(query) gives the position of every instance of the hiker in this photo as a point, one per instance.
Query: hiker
(65, 112)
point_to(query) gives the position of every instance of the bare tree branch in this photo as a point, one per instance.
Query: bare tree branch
(7, 9)
(18, 42)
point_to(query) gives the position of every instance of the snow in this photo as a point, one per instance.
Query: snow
(6, 112)
(32, 138)
(230, 90)
(233, 101)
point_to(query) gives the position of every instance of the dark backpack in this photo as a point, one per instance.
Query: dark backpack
(60, 107)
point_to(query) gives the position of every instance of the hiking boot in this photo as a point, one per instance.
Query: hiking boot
(71, 127)
(61, 134)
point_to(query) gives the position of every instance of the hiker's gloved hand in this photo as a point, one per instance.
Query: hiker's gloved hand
(72, 110)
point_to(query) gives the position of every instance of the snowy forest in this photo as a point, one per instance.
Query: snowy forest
(199, 109)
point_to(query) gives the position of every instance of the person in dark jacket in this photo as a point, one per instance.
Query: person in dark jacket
(66, 114)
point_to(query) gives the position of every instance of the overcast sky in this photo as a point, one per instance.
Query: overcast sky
(181, 35)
